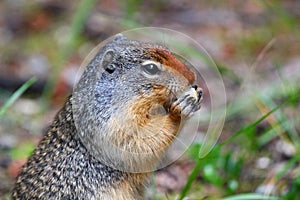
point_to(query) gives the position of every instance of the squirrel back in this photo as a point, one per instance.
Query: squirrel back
(62, 168)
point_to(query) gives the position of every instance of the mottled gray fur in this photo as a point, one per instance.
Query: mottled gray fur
(62, 168)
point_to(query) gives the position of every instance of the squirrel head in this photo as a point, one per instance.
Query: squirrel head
(121, 102)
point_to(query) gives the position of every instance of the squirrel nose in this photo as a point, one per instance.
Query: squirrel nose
(195, 87)
(200, 92)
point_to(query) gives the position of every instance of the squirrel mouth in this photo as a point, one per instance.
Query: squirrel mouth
(172, 98)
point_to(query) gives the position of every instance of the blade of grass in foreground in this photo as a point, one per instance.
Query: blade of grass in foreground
(197, 168)
(16, 95)
(249, 197)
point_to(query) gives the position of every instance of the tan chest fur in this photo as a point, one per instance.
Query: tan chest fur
(132, 189)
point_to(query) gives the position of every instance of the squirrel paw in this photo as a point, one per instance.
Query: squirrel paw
(188, 103)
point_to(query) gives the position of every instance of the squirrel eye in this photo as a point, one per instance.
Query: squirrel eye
(151, 68)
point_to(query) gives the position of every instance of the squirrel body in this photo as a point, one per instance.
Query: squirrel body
(125, 111)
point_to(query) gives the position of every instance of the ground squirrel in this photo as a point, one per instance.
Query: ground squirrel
(125, 111)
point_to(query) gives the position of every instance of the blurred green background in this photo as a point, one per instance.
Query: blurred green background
(255, 43)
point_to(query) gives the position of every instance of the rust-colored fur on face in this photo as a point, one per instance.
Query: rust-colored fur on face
(168, 59)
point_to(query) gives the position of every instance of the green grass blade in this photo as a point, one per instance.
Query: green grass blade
(197, 168)
(249, 197)
(288, 166)
(191, 179)
(252, 125)
(81, 14)
(16, 95)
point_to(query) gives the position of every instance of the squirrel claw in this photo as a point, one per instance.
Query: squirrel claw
(188, 103)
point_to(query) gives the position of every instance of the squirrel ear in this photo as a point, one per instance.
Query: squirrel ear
(107, 59)
(119, 37)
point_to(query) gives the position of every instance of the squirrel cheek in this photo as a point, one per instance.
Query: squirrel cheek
(157, 109)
